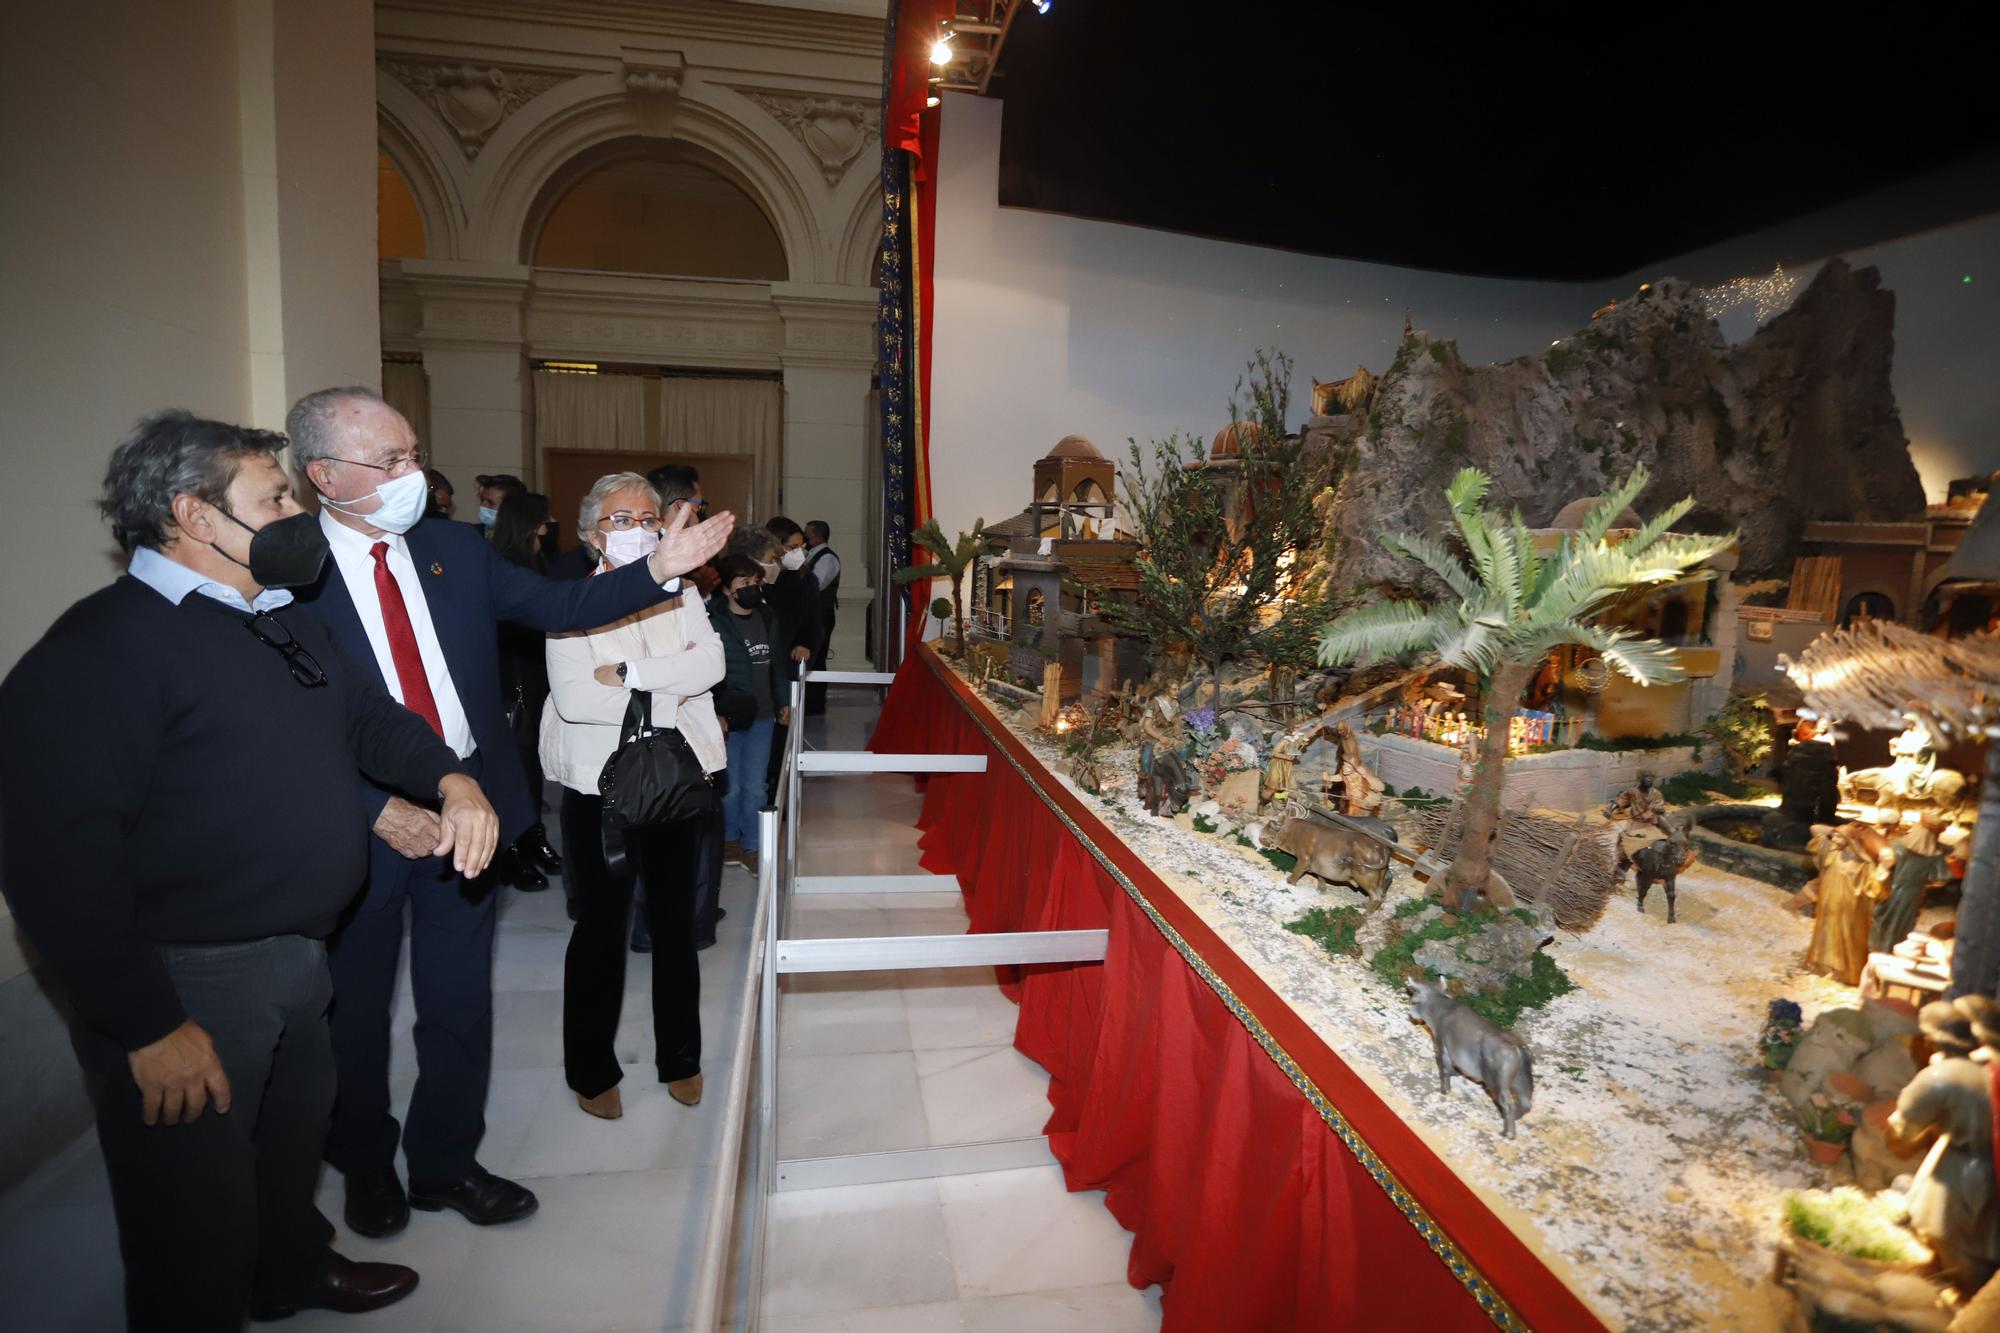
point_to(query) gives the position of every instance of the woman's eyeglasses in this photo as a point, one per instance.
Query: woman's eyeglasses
(303, 665)
(625, 522)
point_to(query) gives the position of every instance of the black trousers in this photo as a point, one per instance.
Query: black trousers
(816, 692)
(451, 983)
(707, 878)
(594, 967)
(217, 1211)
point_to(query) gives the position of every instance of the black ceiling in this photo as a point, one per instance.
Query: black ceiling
(1495, 142)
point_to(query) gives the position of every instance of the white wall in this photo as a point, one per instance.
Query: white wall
(187, 219)
(1048, 325)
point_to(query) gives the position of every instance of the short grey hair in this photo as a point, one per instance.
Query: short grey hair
(310, 423)
(607, 486)
(174, 453)
(756, 544)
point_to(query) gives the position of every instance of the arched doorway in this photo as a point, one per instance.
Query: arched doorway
(399, 223)
(653, 206)
(1873, 605)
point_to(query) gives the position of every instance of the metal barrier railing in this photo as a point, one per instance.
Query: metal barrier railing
(750, 1102)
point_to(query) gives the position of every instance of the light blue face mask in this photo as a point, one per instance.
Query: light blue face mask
(403, 499)
(488, 517)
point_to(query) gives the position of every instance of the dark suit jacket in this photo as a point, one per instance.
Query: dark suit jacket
(469, 590)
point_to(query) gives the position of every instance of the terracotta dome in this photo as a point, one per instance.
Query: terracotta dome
(1576, 511)
(1227, 444)
(1073, 446)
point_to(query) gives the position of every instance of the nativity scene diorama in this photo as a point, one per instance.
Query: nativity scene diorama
(1553, 759)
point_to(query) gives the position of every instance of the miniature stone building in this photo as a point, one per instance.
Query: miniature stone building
(1034, 590)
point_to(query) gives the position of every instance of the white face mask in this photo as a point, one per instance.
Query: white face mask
(622, 548)
(795, 558)
(403, 499)
(488, 516)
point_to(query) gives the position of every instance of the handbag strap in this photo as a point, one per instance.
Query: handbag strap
(638, 717)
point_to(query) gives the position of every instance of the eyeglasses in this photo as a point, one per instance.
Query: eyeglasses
(270, 631)
(399, 464)
(623, 522)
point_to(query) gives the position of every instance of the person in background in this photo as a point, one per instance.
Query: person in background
(751, 649)
(184, 828)
(678, 483)
(670, 653)
(520, 534)
(794, 595)
(823, 566)
(421, 602)
(441, 493)
(494, 488)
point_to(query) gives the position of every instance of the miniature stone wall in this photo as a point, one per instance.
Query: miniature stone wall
(1559, 780)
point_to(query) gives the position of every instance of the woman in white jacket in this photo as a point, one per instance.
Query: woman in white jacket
(669, 650)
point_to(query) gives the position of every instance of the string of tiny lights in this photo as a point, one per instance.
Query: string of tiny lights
(1767, 294)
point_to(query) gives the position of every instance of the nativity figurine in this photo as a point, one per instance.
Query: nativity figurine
(1912, 777)
(1854, 862)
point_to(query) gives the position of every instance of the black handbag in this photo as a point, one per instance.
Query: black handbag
(653, 777)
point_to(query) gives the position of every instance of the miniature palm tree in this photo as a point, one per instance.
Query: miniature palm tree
(953, 559)
(1511, 607)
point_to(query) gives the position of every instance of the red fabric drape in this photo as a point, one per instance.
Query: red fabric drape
(1243, 1203)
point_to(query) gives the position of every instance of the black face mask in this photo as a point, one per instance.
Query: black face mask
(750, 597)
(286, 554)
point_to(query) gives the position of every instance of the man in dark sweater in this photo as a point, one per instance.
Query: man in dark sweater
(183, 830)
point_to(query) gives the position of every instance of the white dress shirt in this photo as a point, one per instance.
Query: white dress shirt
(826, 569)
(353, 556)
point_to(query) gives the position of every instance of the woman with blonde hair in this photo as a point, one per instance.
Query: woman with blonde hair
(670, 653)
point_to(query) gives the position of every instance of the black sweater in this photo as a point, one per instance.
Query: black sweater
(164, 779)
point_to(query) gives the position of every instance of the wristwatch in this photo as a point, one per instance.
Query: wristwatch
(621, 671)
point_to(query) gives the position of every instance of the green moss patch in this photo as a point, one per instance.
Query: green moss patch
(1395, 962)
(1334, 929)
(1283, 862)
(1703, 788)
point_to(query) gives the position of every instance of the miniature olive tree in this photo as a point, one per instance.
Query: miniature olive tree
(1220, 572)
(1509, 607)
(953, 559)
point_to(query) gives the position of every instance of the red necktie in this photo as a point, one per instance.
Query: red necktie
(403, 642)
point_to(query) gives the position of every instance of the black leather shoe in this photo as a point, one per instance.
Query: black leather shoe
(376, 1206)
(346, 1288)
(534, 845)
(482, 1197)
(516, 869)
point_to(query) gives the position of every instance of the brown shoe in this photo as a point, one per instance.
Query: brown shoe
(606, 1105)
(732, 850)
(750, 862)
(345, 1288)
(686, 1091)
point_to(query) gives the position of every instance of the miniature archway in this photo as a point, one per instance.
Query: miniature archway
(640, 205)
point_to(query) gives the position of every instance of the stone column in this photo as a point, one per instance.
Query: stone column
(473, 342)
(829, 360)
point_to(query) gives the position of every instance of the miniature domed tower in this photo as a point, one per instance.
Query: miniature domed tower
(1073, 488)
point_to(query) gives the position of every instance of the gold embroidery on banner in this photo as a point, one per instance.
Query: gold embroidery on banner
(1461, 1268)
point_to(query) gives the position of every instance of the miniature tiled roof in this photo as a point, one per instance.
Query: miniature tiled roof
(1021, 525)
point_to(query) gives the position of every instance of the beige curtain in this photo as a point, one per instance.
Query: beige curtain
(718, 416)
(406, 386)
(590, 411)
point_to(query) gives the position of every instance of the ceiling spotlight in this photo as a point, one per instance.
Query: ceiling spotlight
(931, 101)
(1041, 6)
(941, 50)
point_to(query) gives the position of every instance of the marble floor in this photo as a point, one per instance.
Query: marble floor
(892, 1060)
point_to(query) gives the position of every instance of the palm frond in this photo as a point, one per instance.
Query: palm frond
(915, 572)
(1658, 526)
(1438, 559)
(1386, 629)
(1613, 503)
(1467, 489)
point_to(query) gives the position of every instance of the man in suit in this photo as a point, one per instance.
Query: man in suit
(823, 567)
(420, 600)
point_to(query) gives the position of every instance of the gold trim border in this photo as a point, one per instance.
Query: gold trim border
(1468, 1275)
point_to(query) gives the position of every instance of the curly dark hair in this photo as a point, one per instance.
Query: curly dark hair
(174, 453)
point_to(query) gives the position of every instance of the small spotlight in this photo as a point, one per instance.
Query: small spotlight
(941, 51)
(931, 101)
(1041, 6)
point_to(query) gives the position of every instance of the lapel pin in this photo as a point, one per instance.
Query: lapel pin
(436, 568)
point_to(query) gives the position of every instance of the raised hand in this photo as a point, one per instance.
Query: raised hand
(685, 546)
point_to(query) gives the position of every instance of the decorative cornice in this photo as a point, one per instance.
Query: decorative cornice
(472, 99)
(664, 321)
(834, 131)
(827, 326)
(839, 35)
(468, 305)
